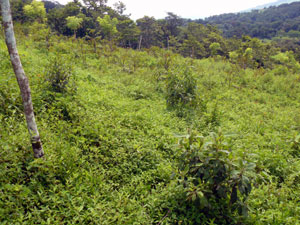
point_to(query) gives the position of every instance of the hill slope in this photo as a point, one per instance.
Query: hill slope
(264, 23)
(109, 137)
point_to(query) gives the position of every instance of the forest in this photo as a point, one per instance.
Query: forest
(267, 23)
(280, 24)
(153, 121)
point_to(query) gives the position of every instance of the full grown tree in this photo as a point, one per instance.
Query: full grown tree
(74, 23)
(128, 33)
(214, 48)
(57, 17)
(108, 26)
(35, 11)
(17, 10)
(151, 32)
(98, 6)
(170, 26)
(21, 78)
(120, 7)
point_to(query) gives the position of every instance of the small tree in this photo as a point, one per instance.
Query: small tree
(35, 11)
(233, 56)
(21, 78)
(214, 48)
(216, 181)
(108, 26)
(287, 59)
(129, 33)
(74, 23)
(247, 58)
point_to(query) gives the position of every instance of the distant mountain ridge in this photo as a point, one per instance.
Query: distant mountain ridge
(275, 21)
(276, 3)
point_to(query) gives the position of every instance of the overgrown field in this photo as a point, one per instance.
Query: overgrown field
(148, 137)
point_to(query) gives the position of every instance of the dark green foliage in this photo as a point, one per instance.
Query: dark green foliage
(216, 182)
(181, 87)
(289, 44)
(17, 9)
(60, 74)
(51, 5)
(263, 23)
(195, 40)
(281, 24)
(167, 60)
(189, 38)
(110, 146)
(10, 100)
(151, 32)
(296, 146)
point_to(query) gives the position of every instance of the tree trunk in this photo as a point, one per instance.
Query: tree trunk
(168, 44)
(95, 45)
(21, 78)
(140, 42)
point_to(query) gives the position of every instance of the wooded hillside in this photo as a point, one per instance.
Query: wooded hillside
(275, 21)
(147, 122)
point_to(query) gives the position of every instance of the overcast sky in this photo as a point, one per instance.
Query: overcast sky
(185, 8)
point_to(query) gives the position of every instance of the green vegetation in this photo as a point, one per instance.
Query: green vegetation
(193, 128)
(96, 21)
(35, 11)
(73, 23)
(280, 24)
(110, 122)
(282, 20)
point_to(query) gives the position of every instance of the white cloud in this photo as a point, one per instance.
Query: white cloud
(187, 8)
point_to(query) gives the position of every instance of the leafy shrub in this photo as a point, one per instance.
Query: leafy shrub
(280, 70)
(216, 183)
(10, 99)
(287, 62)
(59, 73)
(166, 60)
(137, 60)
(212, 116)
(181, 87)
(296, 146)
(4, 58)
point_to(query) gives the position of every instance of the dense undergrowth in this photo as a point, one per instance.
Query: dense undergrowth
(148, 137)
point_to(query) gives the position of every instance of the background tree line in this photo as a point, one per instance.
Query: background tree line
(275, 21)
(281, 24)
(97, 22)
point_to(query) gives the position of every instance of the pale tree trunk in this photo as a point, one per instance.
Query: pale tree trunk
(140, 42)
(21, 78)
